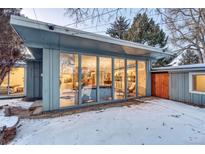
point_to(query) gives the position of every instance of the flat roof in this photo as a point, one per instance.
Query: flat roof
(41, 31)
(192, 67)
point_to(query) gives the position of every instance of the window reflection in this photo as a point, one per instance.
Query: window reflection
(4, 89)
(105, 79)
(16, 81)
(88, 79)
(119, 75)
(131, 78)
(13, 83)
(68, 79)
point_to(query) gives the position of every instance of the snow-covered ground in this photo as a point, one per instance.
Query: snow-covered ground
(157, 122)
(16, 102)
(12, 120)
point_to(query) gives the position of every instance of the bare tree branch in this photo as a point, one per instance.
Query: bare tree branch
(189, 31)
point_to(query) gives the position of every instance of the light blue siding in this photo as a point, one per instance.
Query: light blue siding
(179, 89)
(34, 80)
(149, 82)
(50, 79)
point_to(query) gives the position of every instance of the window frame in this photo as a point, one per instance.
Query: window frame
(191, 82)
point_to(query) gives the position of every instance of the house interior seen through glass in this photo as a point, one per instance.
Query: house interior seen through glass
(142, 78)
(68, 79)
(119, 76)
(197, 80)
(107, 86)
(13, 83)
(88, 79)
(131, 78)
(105, 82)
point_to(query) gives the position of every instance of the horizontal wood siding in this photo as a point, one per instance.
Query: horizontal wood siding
(160, 85)
(179, 89)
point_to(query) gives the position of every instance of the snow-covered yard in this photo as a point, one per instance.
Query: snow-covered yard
(157, 122)
(16, 103)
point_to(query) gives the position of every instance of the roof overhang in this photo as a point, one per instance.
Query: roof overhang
(45, 35)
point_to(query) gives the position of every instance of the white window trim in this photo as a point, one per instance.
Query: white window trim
(191, 83)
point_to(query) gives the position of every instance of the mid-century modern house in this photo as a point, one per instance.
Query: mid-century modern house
(73, 68)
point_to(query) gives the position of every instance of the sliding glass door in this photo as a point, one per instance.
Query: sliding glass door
(68, 79)
(105, 79)
(131, 78)
(142, 78)
(123, 75)
(119, 76)
(88, 79)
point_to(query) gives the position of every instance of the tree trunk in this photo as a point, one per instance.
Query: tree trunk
(203, 56)
(3, 72)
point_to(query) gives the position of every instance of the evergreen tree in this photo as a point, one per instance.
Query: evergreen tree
(119, 28)
(144, 30)
(189, 57)
(162, 62)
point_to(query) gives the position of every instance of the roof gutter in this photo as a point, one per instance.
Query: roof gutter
(183, 68)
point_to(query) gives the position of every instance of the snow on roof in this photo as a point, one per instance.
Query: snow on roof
(191, 67)
(176, 61)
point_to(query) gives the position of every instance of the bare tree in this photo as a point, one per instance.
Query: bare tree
(11, 48)
(187, 27)
(97, 15)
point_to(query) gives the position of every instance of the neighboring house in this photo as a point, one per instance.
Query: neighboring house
(181, 83)
(73, 68)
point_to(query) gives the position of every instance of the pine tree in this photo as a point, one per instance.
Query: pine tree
(189, 57)
(144, 30)
(162, 62)
(119, 28)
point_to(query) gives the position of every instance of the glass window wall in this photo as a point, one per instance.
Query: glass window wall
(69, 94)
(131, 78)
(105, 79)
(142, 78)
(68, 79)
(88, 79)
(13, 83)
(119, 76)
